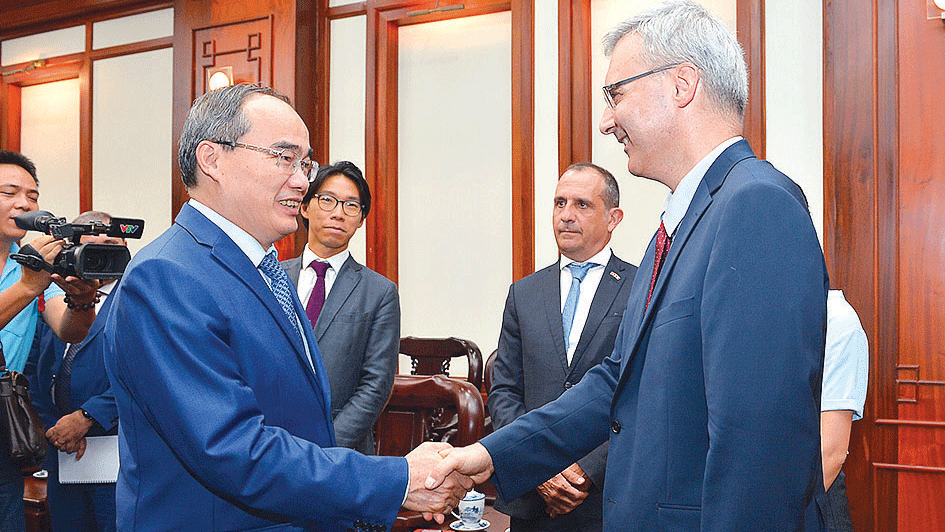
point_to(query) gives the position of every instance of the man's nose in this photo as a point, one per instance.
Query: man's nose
(607, 124)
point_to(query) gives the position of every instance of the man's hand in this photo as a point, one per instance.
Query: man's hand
(37, 281)
(440, 499)
(565, 491)
(473, 460)
(68, 435)
(80, 291)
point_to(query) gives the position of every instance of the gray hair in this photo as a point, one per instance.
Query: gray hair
(216, 116)
(611, 193)
(679, 31)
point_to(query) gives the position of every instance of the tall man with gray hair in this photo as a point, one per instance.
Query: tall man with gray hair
(711, 398)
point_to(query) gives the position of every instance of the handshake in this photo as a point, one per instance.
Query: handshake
(440, 475)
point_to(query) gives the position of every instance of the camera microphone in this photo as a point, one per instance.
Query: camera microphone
(37, 221)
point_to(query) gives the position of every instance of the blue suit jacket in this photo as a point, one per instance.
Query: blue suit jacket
(90, 389)
(224, 424)
(711, 400)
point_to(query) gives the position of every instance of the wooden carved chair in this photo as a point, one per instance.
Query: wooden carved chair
(431, 356)
(417, 406)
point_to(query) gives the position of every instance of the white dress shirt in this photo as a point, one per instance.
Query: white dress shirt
(307, 276)
(588, 289)
(677, 203)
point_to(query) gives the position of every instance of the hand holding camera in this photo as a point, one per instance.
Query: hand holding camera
(66, 256)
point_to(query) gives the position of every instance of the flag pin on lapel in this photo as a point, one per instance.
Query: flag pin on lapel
(614, 275)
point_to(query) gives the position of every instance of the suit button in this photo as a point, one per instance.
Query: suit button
(567, 385)
(615, 426)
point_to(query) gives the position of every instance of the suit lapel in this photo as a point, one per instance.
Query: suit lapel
(232, 258)
(701, 201)
(348, 278)
(603, 300)
(551, 284)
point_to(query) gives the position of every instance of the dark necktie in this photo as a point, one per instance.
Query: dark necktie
(279, 282)
(578, 272)
(317, 299)
(63, 387)
(663, 242)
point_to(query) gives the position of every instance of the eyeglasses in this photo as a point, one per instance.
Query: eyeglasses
(287, 160)
(609, 89)
(328, 203)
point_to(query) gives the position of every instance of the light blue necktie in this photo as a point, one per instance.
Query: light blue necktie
(578, 271)
(279, 282)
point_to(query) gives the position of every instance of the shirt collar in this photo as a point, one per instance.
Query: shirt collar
(243, 240)
(336, 261)
(602, 258)
(677, 203)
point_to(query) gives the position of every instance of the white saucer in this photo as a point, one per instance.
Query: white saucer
(458, 525)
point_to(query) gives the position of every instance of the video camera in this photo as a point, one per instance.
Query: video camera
(85, 261)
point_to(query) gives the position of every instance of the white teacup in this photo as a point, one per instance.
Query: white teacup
(470, 509)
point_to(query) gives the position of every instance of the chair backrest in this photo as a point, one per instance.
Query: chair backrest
(431, 356)
(487, 376)
(429, 408)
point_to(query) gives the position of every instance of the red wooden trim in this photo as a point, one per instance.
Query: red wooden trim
(56, 69)
(58, 14)
(565, 75)
(85, 126)
(523, 134)
(909, 468)
(750, 23)
(345, 11)
(10, 139)
(133, 48)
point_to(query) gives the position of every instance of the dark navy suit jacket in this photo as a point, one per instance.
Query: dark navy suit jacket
(224, 424)
(531, 369)
(711, 400)
(90, 389)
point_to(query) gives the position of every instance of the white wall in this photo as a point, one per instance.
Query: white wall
(132, 97)
(50, 137)
(546, 130)
(455, 177)
(346, 106)
(794, 94)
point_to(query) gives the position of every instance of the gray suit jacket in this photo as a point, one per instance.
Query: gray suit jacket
(358, 333)
(532, 369)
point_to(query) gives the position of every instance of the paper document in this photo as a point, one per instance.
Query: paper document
(98, 464)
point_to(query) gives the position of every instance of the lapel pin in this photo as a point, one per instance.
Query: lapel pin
(614, 275)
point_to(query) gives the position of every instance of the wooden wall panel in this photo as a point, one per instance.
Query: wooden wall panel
(245, 46)
(852, 189)
(884, 187)
(750, 23)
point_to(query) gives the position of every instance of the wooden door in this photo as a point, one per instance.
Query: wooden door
(884, 78)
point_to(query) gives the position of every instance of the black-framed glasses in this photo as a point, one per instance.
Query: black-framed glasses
(609, 89)
(328, 203)
(286, 159)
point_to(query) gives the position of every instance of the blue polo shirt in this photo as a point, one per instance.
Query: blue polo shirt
(17, 336)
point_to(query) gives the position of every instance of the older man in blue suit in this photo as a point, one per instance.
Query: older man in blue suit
(223, 400)
(711, 399)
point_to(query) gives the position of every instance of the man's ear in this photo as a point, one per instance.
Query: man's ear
(208, 159)
(686, 77)
(616, 216)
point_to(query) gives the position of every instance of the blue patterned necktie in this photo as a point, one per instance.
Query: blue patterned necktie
(281, 287)
(578, 271)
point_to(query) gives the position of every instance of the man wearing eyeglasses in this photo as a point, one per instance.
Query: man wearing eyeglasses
(355, 312)
(711, 399)
(222, 395)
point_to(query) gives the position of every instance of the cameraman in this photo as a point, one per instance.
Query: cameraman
(22, 294)
(71, 392)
